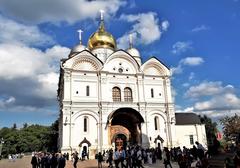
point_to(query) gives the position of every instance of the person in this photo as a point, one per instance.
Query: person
(149, 157)
(83, 155)
(200, 150)
(139, 157)
(100, 159)
(166, 157)
(53, 161)
(34, 161)
(110, 158)
(67, 156)
(61, 161)
(75, 159)
(116, 158)
(216, 145)
(122, 157)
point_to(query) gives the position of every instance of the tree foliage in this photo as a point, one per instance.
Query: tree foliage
(29, 138)
(231, 127)
(211, 128)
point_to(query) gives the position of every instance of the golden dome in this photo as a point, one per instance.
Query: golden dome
(101, 39)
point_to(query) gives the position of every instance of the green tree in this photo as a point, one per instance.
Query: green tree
(25, 125)
(14, 126)
(231, 127)
(29, 138)
(211, 128)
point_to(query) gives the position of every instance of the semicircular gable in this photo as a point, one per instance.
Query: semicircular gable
(84, 61)
(121, 60)
(85, 64)
(155, 67)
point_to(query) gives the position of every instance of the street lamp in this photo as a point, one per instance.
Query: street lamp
(1, 144)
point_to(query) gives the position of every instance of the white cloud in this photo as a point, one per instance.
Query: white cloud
(187, 110)
(181, 47)
(58, 10)
(192, 61)
(200, 28)
(14, 32)
(188, 61)
(29, 75)
(22, 61)
(177, 70)
(186, 84)
(165, 25)
(146, 27)
(4, 102)
(227, 101)
(208, 89)
(191, 76)
(213, 99)
(47, 85)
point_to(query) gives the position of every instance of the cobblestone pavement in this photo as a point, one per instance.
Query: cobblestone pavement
(25, 163)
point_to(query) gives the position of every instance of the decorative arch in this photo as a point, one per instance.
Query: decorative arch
(158, 138)
(85, 141)
(121, 54)
(155, 67)
(125, 121)
(84, 61)
(126, 111)
(86, 112)
(158, 113)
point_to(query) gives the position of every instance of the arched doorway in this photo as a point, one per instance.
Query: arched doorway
(84, 149)
(125, 124)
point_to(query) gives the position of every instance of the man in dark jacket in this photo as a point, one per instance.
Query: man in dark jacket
(61, 161)
(34, 161)
(53, 161)
(75, 159)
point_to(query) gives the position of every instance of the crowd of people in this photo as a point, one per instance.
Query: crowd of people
(52, 160)
(135, 156)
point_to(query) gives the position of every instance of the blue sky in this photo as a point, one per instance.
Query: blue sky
(198, 40)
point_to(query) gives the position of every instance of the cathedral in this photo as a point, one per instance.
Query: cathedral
(106, 94)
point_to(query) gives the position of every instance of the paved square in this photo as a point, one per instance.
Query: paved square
(25, 163)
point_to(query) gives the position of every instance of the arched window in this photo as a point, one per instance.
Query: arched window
(156, 123)
(116, 94)
(152, 93)
(87, 91)
(85, 124)
(128, 94)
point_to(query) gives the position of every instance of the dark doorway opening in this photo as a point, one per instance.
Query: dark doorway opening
(129, 119)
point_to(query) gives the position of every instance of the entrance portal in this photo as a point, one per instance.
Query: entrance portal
(125, 122)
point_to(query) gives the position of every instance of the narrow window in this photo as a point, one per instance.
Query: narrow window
(87, 91)
(156, 123)
(128, 94)
(85, 120)
(191, 139)
(116, 94)
(152, 93)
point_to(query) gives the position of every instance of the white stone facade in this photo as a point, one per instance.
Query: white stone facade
(87, 106)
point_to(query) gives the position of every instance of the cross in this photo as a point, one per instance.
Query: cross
(130, 40)
(101, 14)
(80, 35)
